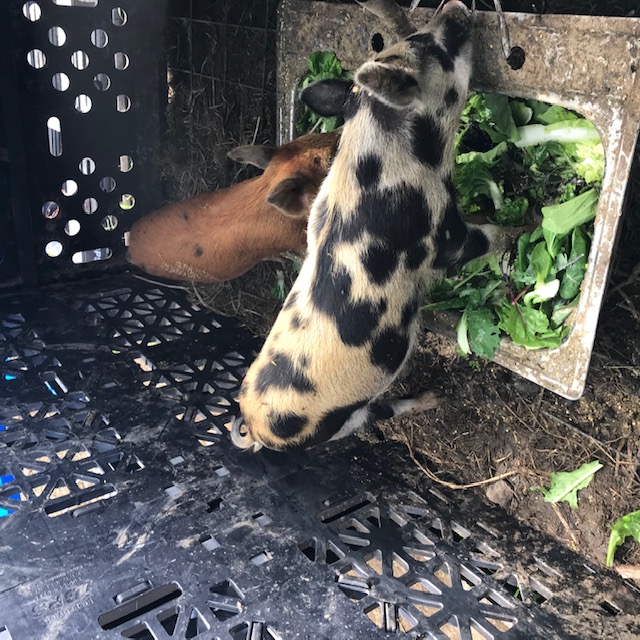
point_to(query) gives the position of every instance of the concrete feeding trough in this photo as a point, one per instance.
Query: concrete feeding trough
(588, 64)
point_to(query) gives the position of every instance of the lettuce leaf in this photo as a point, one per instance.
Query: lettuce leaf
(622, 528)
(564, 218)
(564, 485)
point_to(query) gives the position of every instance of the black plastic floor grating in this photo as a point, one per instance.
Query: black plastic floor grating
(126, 512)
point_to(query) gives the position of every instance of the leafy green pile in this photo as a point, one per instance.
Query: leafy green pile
(628, 525)
(322, 65)
(514, 157)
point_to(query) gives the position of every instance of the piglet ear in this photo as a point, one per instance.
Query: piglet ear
(257, 155)
(327, 97)
(394, 86)
(292, 196)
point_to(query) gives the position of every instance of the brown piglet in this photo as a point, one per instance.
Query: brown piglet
(218, 236)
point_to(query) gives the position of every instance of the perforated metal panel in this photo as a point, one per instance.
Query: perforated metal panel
(126, 512)
(82, 105)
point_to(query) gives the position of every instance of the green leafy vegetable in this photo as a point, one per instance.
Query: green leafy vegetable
(588, 161)
(561, 312)
(566, 484)
(484, 332)
(521, 113)
(563, 218)
(622, 528)
(324, 63)
(540, 262)
(574, 272)
(514, 156)
(488, 158)
(498, 122)
(528, 327)
(279, 289)
(512, 212)
(548, 114)
(571, 131)
(474, 179)
(555, 242)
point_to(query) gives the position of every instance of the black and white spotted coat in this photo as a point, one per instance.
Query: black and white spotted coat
(382, 227)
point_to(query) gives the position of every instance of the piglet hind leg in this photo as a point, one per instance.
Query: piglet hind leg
(502, 239)
(382, 410)
(370, 414)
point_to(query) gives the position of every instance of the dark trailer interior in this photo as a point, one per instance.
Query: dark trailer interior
(125, 511)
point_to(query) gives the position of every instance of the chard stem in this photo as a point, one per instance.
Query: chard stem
(480, 272)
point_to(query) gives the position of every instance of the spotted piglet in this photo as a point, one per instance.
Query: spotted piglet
(383, 226)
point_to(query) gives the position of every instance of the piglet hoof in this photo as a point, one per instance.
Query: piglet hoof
(428, 400)
(478, 218)
(510, 235)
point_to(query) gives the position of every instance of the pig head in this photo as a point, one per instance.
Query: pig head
(218, 236)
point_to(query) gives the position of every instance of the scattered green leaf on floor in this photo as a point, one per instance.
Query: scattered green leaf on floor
(622, 528)
(564, 485)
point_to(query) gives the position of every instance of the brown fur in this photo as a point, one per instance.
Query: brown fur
(218, 236)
